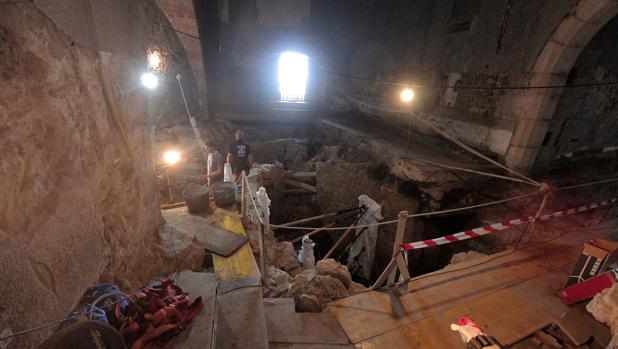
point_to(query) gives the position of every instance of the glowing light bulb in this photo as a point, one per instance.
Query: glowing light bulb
(407, 95)
(150, 81)
(171, 157)
(154, 60)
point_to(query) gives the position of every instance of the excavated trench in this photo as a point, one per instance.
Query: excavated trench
(344, 169)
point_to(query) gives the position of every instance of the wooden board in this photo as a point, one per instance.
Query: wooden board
(217, 240)
(369, 315)
(200, 333)
(241, 264)
(308, 328)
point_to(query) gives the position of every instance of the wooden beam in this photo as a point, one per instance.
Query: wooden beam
(401, 229)
(301, 185)
(174, 205)
(310, 219)
(343, 236)
(311, 233)
(303, 174)
(298, 192)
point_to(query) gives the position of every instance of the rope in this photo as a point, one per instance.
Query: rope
(589, 184)
(471, 150)
(259, 216)
(531, 224)
(425, 214)
(488, 174)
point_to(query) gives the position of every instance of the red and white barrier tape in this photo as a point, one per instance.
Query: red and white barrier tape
(492, 228)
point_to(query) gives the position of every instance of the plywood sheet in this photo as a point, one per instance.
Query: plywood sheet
(368, 315)
(287, 326)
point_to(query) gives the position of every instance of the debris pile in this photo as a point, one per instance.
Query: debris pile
(312, 289)
(604, 308)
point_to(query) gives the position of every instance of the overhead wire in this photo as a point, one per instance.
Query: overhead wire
(220, 46)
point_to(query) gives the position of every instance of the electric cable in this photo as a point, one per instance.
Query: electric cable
(41, 327)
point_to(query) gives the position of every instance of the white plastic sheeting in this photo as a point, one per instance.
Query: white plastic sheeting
(363, 250)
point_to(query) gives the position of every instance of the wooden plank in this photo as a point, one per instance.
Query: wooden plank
(432, 332)
(339, 241)
(309, 219)
(200, 333)
(401, 229)
(215, 239)
(301, 185)
(242, 263)
(303, 174)
(308, 328)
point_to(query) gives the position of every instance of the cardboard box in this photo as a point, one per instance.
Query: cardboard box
(593, 260)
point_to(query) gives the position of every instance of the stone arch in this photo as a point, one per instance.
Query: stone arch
(535, 108)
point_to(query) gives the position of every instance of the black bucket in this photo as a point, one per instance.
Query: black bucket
(197, 197)
(224, 194)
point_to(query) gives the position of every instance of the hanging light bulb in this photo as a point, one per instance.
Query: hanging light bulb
(154, 60)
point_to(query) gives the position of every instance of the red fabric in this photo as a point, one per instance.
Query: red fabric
(158, 315)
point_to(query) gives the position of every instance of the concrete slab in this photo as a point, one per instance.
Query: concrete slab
(285, 325)
(200, 333)
(240, 320)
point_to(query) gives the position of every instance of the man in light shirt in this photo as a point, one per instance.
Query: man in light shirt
(214, 168)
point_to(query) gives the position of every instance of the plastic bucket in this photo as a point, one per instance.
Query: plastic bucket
(224, 194)
(197, 197)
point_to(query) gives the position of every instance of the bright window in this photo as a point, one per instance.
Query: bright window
(293, 73)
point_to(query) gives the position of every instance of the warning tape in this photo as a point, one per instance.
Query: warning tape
(492, 228)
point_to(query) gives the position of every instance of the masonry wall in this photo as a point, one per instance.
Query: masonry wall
(79, 197)
(462, 43)
(585, 122)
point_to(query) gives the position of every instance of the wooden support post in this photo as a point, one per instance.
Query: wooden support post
(261, 246)
(339, 241)
(244, 199)
(278, 189)
(397, 263)
(401, 229)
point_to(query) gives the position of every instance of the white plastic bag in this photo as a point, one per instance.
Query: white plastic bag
(306, 255)
(227, 173)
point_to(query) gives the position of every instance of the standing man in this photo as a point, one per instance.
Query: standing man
(214, 165)
(239, 156)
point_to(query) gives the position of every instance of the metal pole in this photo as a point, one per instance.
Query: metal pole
(243, 201)
(170, 190)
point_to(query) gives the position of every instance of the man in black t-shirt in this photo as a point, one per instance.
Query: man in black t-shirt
(239, 155)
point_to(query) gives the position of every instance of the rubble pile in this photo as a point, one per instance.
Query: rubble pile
(311, 289)
(604, 308)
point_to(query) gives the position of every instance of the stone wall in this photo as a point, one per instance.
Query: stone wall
(79, 199)
(460, 43)
(585, 120)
